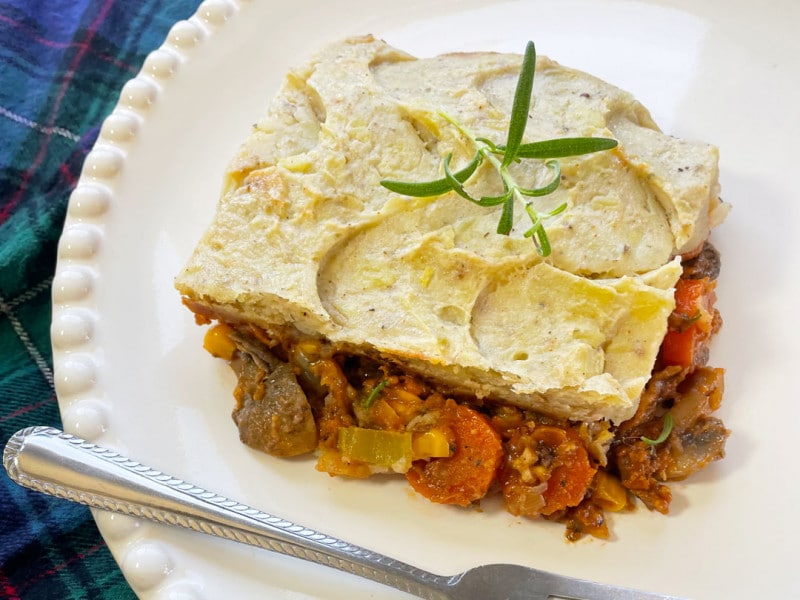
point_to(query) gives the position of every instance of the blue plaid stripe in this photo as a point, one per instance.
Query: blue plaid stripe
(62, 63)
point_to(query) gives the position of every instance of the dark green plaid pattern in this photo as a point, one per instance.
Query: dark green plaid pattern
(62, 64)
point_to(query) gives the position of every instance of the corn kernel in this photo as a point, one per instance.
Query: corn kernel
(540, 472)
(217, 342)
(430, 444)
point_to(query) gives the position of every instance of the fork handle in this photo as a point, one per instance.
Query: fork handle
(50, 461)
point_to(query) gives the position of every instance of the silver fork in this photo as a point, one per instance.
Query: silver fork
(50, 461)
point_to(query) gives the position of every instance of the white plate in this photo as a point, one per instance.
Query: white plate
(131, 372)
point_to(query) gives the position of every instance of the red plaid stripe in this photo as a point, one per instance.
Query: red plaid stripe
(62, 63)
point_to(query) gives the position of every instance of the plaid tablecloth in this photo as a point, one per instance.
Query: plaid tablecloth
(62, 64)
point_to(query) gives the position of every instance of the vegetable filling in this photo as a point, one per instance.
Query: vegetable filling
(363, 416)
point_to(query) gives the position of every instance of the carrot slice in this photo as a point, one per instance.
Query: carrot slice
(571, 478)
(691, 322)
(678, 347)
(690, 294)
(465, 476)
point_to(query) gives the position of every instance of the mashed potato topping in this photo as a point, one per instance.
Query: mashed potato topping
(306, 240)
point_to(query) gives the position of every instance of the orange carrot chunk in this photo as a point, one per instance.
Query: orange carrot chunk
(571, 478)
(691, 322)
(678, 348)
(465, 476)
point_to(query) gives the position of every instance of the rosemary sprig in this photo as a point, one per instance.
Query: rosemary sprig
(512, 151)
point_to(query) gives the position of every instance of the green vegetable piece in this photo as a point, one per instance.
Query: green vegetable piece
(665, 431)
(391, 449)
(374, 392)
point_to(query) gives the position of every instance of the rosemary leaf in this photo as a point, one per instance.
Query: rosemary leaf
(563, 147)
(507, 217)
(374, 392)
(521, 106)
(665, 431)
(496, 200)
(557, 210)
(432, 188)
(542, 241)
(550, 187)
(536, 222)
(456, 185)
(493, 148)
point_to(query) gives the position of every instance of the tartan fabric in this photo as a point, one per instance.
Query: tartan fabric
(62, 64)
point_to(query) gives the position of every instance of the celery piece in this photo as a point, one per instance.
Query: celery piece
(376, 447)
